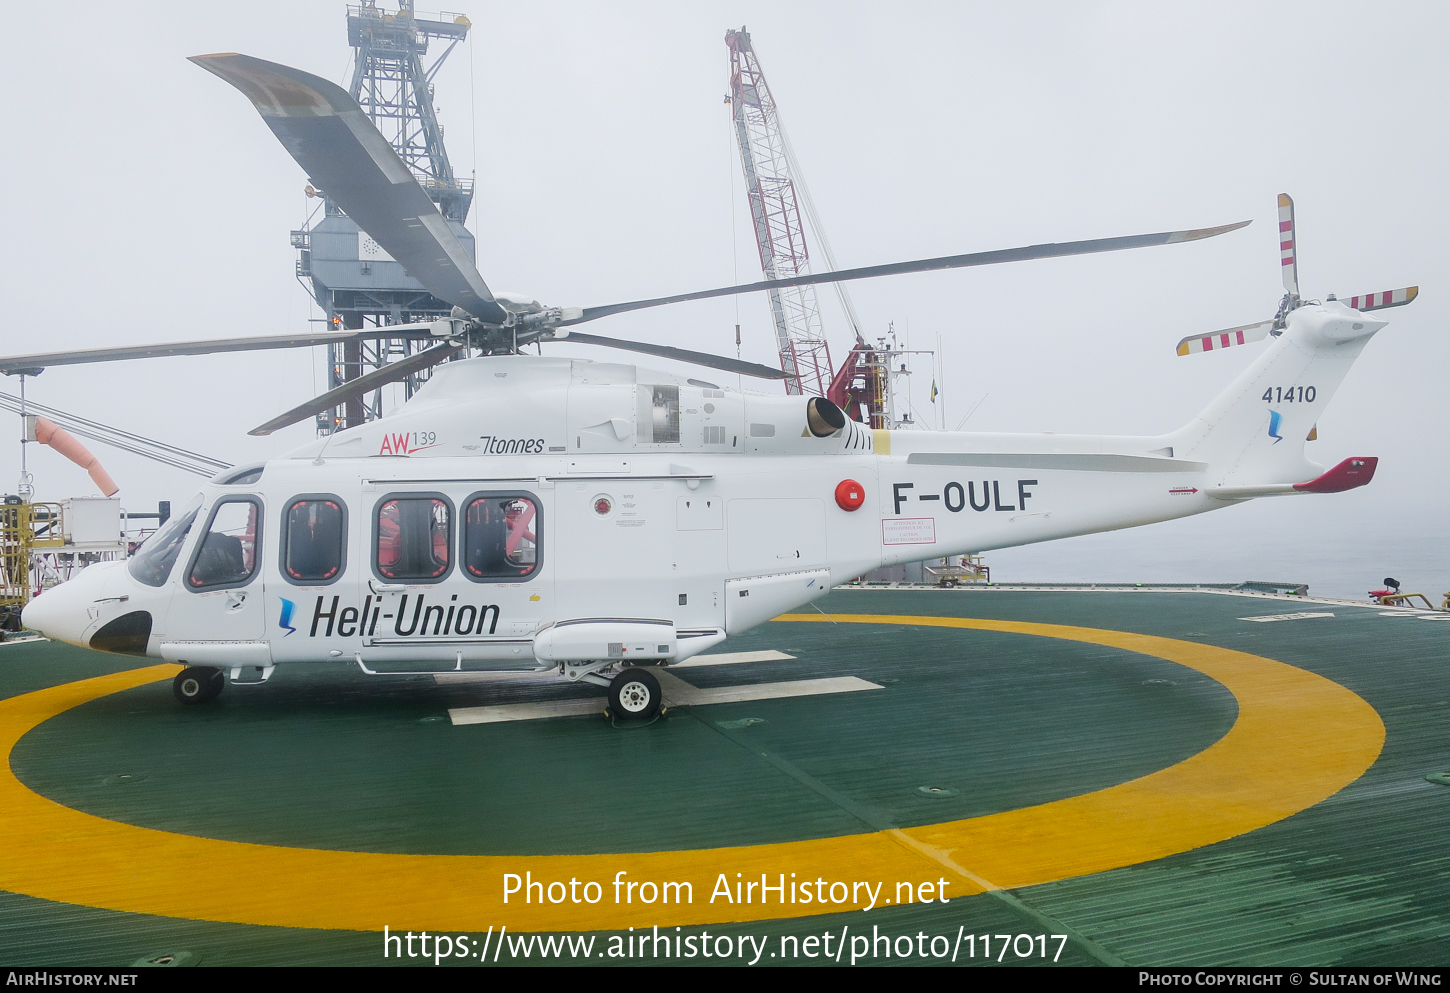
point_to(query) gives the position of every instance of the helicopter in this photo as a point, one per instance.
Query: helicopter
(598, 519)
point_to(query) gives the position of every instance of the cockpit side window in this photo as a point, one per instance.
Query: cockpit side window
(413, 537)
(226, 556)
(501, 536)
(153, 561)
(314, 539)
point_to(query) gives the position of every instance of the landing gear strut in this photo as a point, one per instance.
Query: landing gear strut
(634, 695)
(198, 684)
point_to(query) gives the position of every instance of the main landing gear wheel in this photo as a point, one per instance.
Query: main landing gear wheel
(634, 695)
(198, 684)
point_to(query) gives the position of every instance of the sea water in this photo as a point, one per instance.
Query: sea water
(1341, 545)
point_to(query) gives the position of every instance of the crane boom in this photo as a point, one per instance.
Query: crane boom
(776, 217)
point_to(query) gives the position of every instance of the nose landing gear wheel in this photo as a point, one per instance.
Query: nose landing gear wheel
(198, 684)
(634, 695)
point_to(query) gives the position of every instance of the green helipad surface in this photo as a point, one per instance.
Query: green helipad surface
(330, 759)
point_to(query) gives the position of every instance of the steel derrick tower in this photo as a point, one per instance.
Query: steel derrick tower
(354, 281)
(775, 213)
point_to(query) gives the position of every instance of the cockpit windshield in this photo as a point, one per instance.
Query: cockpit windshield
(153, 561)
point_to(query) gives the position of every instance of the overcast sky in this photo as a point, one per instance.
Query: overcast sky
(145, 200)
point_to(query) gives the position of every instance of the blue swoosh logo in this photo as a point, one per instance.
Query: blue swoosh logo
(285, 621)
(1275, 419)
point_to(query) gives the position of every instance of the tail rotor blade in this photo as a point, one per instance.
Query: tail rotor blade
(1379, 301)
(681, 355)
(1288, 249)
(1225, 339)
(353, 388)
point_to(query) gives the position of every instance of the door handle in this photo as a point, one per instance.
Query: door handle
(381, 588)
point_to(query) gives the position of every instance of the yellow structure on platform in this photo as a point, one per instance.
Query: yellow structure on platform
(24, 527)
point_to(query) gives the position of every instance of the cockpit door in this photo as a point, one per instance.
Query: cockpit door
(223, 598)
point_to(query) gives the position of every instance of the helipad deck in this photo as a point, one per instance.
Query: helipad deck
(1161, 776)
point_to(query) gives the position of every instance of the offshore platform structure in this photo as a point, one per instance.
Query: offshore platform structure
(353, 280)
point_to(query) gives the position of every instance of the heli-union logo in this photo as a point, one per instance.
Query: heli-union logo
(1275, 419)
(285, 620)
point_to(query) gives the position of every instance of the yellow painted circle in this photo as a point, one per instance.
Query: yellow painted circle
(1298, 739)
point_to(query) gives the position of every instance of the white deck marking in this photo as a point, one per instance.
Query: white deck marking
(526, 711)
(676, 693)
(1287, 617)
(679, 693)
(730, 658)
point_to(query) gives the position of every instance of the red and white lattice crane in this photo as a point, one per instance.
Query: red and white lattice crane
(780, 209)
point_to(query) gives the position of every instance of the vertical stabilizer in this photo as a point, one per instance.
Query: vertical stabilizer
(1255, 430)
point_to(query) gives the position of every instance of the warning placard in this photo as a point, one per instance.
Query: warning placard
(908, 531)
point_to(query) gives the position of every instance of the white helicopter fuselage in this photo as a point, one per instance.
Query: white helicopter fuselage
(522, 512)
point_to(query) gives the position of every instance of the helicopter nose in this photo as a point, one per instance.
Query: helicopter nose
(59, 613)
(65, 612)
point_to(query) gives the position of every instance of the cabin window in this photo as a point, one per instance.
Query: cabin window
(501, 536)
(413, 537)
(153, 561)
(314, 540)
(227, 552)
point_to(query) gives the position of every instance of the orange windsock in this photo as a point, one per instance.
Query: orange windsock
(47, 433)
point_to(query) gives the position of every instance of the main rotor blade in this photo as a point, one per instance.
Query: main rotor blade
(390, 373)
(323, 128)
(1049, 251)
(11, 365)
(680, 354)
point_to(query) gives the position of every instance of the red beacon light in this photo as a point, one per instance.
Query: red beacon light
(850, 495)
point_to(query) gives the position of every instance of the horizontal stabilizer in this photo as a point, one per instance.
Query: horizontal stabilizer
(1225, 339)
(1348, 475)
(1379, 301)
